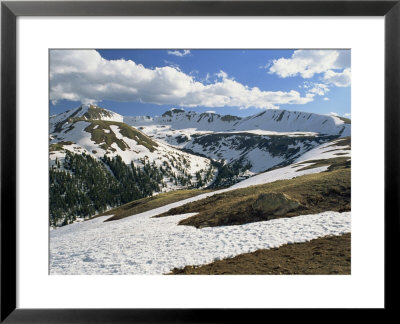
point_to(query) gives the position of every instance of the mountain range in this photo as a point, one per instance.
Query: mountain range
(100, 159)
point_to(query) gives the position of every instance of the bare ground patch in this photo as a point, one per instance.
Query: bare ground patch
(322, 256)
(149, 203)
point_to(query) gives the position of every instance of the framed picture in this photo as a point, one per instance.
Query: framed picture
(231, 65)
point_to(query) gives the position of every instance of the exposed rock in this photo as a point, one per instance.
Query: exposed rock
(276, 204)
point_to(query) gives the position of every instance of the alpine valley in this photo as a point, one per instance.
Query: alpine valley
(100, 159)
(199, 193)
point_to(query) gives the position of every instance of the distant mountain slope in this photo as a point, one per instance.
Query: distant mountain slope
(256, 143)
(268, 120)
(257, 153)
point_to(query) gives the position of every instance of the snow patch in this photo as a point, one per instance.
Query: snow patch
(145, 245)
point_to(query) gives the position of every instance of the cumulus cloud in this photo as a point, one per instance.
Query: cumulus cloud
(326, 99)
(339, 79)
(306, 63)
(83, 75)
(179, 53)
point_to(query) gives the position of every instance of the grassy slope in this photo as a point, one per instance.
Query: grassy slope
(96, 113)
(107, 139)
(99, 136)
(315, 192)
(326, 255)
(149, 203)
(334, 163)
(344, 141)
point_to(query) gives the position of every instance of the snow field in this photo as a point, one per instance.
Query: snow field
(285, 173)
(325, 151)
(145, 245)
(141, 244)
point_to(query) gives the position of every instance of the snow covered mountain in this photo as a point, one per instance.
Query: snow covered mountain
(84, 112)
(255, 143)
(97, 132)
(271, 121)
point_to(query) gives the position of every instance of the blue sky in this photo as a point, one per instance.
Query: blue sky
(237, 82)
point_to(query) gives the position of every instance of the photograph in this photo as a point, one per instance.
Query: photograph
(148, 147)
(188, 161)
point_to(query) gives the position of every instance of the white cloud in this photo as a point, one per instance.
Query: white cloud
(333, 114)
(83, 75)
(211, 112)
(306, 63)
(319, 89)
(341, 79)
(347, 115)
(221, 74)
(179, 53)
(326, 99)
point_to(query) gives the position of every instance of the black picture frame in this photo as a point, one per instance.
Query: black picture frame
(10, 10)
